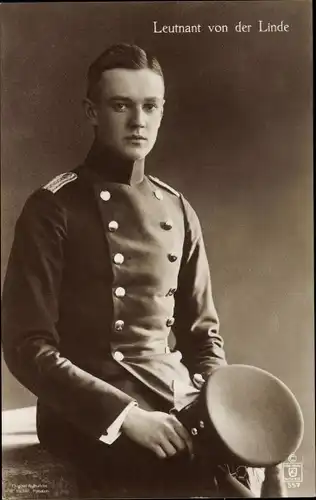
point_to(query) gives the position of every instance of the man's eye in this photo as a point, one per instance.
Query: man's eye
(150, 107)
(119, 106)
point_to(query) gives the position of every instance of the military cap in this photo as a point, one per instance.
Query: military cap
(245, 415)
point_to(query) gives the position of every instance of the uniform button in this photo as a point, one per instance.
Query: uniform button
(118, 356)
(202, 425)
(198, 377)
(194, 431)
(113, 226)
(158, 194)
(170, 321)
(118, 258)
(172, 257)
(105, 195)
(167, 225)
(119, 325)
(120, 291)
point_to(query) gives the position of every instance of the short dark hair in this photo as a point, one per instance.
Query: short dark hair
(120, 55)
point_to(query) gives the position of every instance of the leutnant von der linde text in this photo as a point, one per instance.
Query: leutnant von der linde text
(240, 27)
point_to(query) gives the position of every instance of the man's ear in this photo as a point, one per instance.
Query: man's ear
(162, 110)
(90, 111)
(162, 107)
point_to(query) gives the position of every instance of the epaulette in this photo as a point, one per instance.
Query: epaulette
(163, 184)
(59, 181)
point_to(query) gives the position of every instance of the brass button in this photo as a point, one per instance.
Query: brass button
(118, 258)
(105, 195)
(202, 424)
(118, 356)
(113, 226)
(194, 431)
(172, 257)
(158, 194)
(199, 378)
(170, 321)
(120, 291)
(167, 225)
(119, 325)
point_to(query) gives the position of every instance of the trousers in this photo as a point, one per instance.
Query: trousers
(127, 470)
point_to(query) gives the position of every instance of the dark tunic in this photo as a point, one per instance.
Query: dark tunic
(104, 266)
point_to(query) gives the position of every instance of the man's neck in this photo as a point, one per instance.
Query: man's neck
(114, 168)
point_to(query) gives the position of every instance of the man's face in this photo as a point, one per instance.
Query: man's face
(128, 113)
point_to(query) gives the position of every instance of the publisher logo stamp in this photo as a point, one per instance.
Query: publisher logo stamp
(293, 472)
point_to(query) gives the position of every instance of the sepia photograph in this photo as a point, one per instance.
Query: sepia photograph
(157, 250)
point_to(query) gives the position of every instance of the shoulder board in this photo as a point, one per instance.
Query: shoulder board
(61, 180)
(163, 184)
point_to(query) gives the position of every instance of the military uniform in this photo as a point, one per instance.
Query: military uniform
(102, 269)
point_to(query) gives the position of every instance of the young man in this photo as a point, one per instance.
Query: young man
(105, 263)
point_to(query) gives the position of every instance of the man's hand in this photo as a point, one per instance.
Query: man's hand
(159, 432)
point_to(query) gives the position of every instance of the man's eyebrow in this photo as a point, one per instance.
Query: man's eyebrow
(153, 98)
(120, 98)
(128, 99)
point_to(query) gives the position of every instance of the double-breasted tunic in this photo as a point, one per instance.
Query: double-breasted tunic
(101, 271)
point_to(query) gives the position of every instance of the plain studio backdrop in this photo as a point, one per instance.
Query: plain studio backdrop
(236, 139)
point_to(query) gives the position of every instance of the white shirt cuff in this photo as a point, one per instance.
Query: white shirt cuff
(114, 430)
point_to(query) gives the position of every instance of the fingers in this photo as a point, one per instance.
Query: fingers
(184, 435)
(176, 439)
(173, 439)
(159, 451)
(168, 447)
(164, 448)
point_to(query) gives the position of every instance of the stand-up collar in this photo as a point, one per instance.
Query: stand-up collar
(111, 168)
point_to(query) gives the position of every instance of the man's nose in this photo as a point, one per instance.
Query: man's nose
(138, 117)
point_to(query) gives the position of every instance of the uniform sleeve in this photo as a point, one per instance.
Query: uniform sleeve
(196, 321)
(30, 310)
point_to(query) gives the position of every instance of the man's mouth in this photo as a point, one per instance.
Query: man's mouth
(136, 138)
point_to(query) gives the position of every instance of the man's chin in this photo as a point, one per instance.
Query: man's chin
(134, 154)
(134, 157)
